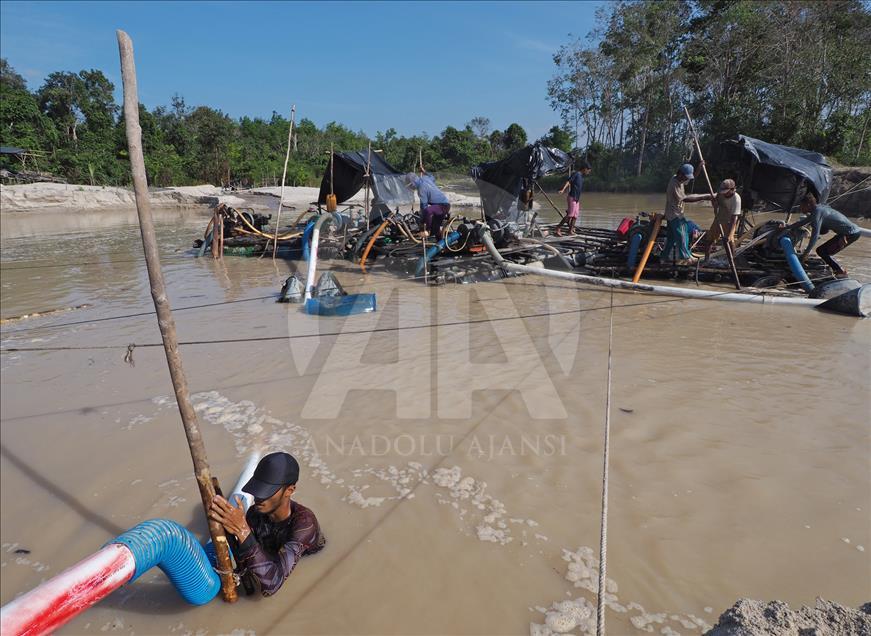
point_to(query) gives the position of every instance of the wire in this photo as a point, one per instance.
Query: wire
(603, 537)
(354, 332)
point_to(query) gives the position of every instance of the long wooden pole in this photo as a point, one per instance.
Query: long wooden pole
(164, 314)
(283, 177)
(651, 240)
(368, 170)
(731, 259)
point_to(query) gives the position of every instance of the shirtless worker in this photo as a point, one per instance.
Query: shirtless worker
(822, 218)
(276, 531)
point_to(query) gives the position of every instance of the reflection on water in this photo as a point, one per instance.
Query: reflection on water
(455, 469)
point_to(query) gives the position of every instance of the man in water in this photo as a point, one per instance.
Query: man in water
(574, 185)
(434, 205)
(677, 245)
(276, 532)
(822, 218)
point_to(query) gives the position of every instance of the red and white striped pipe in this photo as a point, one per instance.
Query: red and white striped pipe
(58, 600)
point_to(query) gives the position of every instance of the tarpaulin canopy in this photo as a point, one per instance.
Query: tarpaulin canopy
(782, 174)
(501, 182)
(349, 169)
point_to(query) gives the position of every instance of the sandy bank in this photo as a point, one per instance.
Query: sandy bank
(301, 196)
(61, 196)
(748, 617)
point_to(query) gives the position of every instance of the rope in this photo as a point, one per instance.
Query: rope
(603, 541)
(852, 190)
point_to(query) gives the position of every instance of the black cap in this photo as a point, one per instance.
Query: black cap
(273, 472)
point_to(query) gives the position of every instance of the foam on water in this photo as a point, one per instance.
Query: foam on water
(481, 514)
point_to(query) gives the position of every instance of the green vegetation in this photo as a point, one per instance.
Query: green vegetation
(74, 119)
(790, 72)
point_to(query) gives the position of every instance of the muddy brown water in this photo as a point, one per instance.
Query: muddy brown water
(456, 470)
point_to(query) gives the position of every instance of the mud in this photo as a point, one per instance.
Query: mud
(450, 443)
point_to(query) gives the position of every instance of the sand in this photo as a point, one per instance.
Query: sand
(748, 617)
(62, 196)
(82, 198)
(300, 197)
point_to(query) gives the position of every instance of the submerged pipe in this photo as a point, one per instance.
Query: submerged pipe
(795, 264)
(431, 253)
(159, 542)
(679, 292)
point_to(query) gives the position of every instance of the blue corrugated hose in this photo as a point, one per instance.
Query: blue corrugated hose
(795, 264)
(173, 549)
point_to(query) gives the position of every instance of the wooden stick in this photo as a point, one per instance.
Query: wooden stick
(283, 177)
(366, 206)
(164, 314)
(654, 231)
(558, 211)
(731, 259)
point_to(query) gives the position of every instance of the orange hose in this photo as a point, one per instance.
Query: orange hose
(654, 231)
(371, 243)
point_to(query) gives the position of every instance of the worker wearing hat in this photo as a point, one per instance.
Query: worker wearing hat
(727, 215)
(276, 531)
(677, 246)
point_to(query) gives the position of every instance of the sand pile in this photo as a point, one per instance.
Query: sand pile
(40, 196)
(751, 618)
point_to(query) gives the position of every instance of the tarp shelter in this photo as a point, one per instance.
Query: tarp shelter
(779, 174)
(501, 182)
(349, 169)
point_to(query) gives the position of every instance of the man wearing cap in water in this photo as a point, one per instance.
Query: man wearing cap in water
(276, 531)
(677, 236)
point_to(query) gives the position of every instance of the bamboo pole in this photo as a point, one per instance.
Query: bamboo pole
(651, 240)
(367, 175)
(164, 314)
(729, 256)
(283, 177)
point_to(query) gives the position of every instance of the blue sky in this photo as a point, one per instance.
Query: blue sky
(416, 67)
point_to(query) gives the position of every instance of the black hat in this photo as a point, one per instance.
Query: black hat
(273, 472)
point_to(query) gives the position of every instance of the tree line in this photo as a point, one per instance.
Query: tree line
(73, 118)
(790, 72)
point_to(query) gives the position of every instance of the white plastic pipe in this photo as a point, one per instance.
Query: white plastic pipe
(679, 292)
(47, 607)
(247, 473)
(313, 255)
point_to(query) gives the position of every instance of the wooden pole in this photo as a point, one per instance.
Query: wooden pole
(553, 205)
(651, 240)
(283, 177)
(729, 256)
(367, 175)
(164, 314)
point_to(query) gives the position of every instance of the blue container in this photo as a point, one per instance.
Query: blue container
(340, 305)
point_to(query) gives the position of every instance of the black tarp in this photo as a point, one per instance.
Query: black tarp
(779, 174)
(388, 184)
(501, 182)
